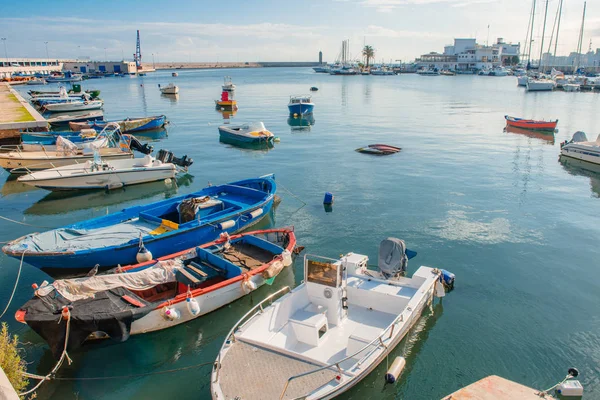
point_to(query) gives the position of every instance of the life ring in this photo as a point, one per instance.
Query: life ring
(86, 102)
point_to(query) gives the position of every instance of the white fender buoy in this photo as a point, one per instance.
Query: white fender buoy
(227, 224)
(286, 258)
(171, 313)
(256, 213)
(439, 289)
(168, 181)
(248, 286)
(392, 374)
(193, 306)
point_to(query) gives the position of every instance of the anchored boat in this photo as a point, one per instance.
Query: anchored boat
(110, 144)
(379, 149)
(157, 294)
(74, 105)
(580, 148)
(300, 105)
(128, 125)
(161, 227)
(530, 123)
(100, 174)
(171, 88)
(321, 338)
(76, 116)
(251, 133)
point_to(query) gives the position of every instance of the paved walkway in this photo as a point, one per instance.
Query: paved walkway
(16, 113)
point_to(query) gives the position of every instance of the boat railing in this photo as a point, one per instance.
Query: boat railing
(257, 309)
(27, 170)
(375, 344)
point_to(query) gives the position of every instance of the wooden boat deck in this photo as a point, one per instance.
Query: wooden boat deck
(247, 255)
(496, 388)
(253, 373)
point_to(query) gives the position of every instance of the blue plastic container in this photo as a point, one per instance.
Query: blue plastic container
(328, 198)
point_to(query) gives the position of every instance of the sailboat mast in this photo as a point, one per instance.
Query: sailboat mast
(543, 33)
(526, 42)
(558, 27)
(580, 39)
(531, 34)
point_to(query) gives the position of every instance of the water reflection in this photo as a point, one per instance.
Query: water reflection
(152, 134)
(264, 146)
(173, 98)
(583, 168)
(12, 186)
(301, 123)
(63, 202)
(227, 115)
(547, 137)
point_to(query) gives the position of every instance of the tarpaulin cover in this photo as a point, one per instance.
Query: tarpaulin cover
(392, 257)
(87, 287)
(106, 312)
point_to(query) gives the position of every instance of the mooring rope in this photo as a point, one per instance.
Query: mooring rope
(60, 361)
(24, 223)
(292, 194)
(97, 378)
(15, 288)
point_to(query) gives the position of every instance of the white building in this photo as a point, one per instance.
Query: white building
(87, 66)
(466, 54)
(28, 66)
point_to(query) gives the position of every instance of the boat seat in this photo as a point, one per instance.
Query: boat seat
(359, 338)
(310, 324)
(194, 274)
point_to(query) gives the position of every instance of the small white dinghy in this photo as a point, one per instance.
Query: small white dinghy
(169, 89)
(98, 174)
(323, 337)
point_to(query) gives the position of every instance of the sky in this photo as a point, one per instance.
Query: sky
(284, 30)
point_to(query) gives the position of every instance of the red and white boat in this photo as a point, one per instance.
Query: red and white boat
(157, 294)
(530, 123)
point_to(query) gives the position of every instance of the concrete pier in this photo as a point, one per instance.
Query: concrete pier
(17, 114)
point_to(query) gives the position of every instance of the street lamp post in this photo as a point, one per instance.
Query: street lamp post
(105, 58)
(153, 63)
(5, 52)
(78, 51)
(47, 56)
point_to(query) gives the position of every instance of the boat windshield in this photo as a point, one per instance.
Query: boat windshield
(299, 100)
(323, 271)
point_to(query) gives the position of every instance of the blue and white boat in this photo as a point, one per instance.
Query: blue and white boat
(49, 138)
(251, 133)
(300, 105)
(128, 125)
(161, 228)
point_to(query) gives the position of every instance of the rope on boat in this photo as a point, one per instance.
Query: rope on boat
(15, 288)
(62, 358)
(292, 194)
(97, 378)
(24, 223)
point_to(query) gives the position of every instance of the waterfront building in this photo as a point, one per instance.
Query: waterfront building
(28, 66)
(466, 54)
(87, 66)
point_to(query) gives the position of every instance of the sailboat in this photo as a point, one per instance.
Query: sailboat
(345, 68)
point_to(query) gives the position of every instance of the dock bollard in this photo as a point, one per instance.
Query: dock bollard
(328, 200)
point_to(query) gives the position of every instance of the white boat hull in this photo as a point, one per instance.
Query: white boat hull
(36, 161)
(579, 152)
(74, 106)
(75, 177)
(540, 85)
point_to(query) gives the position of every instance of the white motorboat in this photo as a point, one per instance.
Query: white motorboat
(539, 85)
(100, 174)
(320, 339)
(36, 82)
(428, 72)
(498, 71)
(169, 89)
(580, 148)
(571, 87)
(382, 71)
(74, 105)
(110, 144)
(522, 80)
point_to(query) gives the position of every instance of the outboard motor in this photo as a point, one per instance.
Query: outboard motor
(166, 156)
(142, 148)
(392, 257)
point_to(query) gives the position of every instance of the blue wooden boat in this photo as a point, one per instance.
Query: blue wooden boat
(49, 138)
(300, 105)
(163, 227)
(128, 125)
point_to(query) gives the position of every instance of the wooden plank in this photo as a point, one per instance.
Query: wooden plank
(188, 275)
(198, 271)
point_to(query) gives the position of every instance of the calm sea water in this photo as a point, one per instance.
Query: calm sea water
(519, 229)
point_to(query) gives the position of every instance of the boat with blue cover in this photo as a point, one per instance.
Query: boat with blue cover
(49, 138)
(161, 227)
(300, 105)
(128, 125)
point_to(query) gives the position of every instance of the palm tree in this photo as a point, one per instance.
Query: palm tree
(369, 53)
